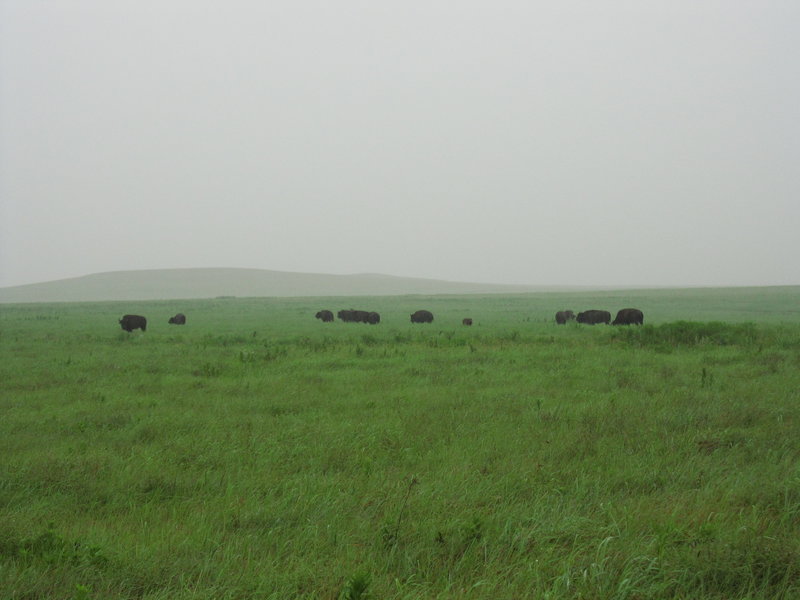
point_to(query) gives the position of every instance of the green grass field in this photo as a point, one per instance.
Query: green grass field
(258, 453)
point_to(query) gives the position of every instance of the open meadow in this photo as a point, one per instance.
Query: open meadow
(258, 453)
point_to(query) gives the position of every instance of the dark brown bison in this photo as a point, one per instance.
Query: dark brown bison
(346, 315)
(422, 316)
(466, 321)
(629, 316)
(563, 316)
(325, 315)
(179, 319)
(131, 322)
(359, 316)
(593, 317)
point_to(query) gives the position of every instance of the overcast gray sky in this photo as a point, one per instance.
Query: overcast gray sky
(583, 143)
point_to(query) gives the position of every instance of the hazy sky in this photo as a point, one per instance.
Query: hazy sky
(586, 143)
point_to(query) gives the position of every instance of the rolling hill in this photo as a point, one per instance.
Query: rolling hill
(165, 284)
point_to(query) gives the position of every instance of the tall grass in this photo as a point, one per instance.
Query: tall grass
(258, 453)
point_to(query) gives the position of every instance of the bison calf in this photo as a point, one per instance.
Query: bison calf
(179, 319)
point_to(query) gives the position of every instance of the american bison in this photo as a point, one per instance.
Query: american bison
(593, 317)
(325, 316)
(563, 316)
(466, 321)
(422, 316)
(179, 319)
(629, 316)
(131, 322)
(359, 316)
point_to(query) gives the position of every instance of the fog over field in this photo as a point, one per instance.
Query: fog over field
(612, 143)
(211, 283)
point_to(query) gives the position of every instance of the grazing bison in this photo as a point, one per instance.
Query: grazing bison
(466, 321)
(373, 318)
(179, 319)
(325, 315)
(360, 316)
(592, 317)
(356, 316)
(422, 316)
(629, 316)
(131, 322)
(563, 316)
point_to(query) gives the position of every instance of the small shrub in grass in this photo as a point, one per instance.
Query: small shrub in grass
(207, 370)
(52, 549)
(82, 592)
(356, 588)
(689, 333)
(369, 340)
(273, 352)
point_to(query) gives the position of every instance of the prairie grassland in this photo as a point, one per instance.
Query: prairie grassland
(258, 453)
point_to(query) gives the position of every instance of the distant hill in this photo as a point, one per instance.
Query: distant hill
(164, 284)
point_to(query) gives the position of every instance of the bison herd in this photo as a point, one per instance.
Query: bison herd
(373, 318)
(351, 316)
(626, 316)
(131, 322)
